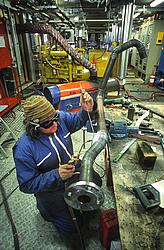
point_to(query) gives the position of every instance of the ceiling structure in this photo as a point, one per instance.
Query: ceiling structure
(96, 15)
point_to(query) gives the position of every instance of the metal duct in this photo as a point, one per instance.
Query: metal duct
(44, 28)
(85, 194)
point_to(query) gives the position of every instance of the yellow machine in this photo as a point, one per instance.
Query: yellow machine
(58, 67)
(100, 58)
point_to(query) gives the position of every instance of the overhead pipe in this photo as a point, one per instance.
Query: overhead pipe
(85, 194)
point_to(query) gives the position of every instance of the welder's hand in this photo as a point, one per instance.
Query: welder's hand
(66, 171)
(86, 101)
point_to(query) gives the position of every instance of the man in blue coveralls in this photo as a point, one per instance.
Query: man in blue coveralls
(42, 154)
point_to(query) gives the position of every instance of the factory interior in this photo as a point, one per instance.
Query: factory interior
(114, 50)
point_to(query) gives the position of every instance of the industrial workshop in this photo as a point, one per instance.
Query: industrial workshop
(82, 125)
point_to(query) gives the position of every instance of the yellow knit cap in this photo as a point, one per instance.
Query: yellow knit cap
(38, 109)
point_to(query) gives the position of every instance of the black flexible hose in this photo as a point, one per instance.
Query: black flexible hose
(132, 43)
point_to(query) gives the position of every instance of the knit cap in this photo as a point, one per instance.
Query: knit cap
(38, 109)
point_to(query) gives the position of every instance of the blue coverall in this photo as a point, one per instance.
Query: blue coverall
(36, 163)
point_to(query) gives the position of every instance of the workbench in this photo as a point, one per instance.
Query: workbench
(137, 226)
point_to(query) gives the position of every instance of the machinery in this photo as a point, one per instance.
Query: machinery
(59, 67)
(159, 79)
(66, 96)
(101, 58)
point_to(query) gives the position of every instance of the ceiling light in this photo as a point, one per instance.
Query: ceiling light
(156, 2)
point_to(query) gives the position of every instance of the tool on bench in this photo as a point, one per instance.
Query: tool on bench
(154, 139)
(160, 134)
(124, 131)
(123, 151)
(120, 130)
(125, 102)
(151, 195)
(146, 155)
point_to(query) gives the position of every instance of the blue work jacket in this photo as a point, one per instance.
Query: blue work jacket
(37, 160)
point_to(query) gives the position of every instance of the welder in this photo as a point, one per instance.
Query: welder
(42, 156)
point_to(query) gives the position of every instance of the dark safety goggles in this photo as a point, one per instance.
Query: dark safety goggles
(49, 123)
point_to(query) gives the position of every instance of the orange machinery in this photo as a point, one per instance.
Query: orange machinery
(66, 97)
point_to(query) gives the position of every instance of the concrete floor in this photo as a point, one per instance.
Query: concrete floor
(32, 231)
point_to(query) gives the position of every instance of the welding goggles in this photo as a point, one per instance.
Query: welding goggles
(48, 124)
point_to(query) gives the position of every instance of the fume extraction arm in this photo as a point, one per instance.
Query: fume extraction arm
(85, 194)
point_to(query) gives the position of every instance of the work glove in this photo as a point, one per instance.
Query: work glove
(86, 101)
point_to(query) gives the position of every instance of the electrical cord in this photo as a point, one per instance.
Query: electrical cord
(83, 146)
(8, 213)
(6, 198)
(76, 223)
(7, 174)
(157, 236)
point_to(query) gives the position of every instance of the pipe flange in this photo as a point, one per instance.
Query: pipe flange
(84, 196)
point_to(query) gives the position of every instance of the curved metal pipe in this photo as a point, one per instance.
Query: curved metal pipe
(85, 194)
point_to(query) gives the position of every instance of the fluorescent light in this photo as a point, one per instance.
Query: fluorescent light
(156, 2)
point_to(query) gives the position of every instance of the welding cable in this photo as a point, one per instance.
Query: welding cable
(7, 174)
(8, 213)
(8, 196)
(83, 146)
(99, 166)
(77, 227)
(99, 56)
(76, 223)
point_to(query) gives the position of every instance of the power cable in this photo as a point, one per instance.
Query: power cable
(6, 198)
(83, 146)
(7, 174)
(8, 213)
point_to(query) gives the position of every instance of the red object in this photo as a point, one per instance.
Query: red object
(151, 84)
(5, 59)
(109, 229)
(10, 103)
(94, 62)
